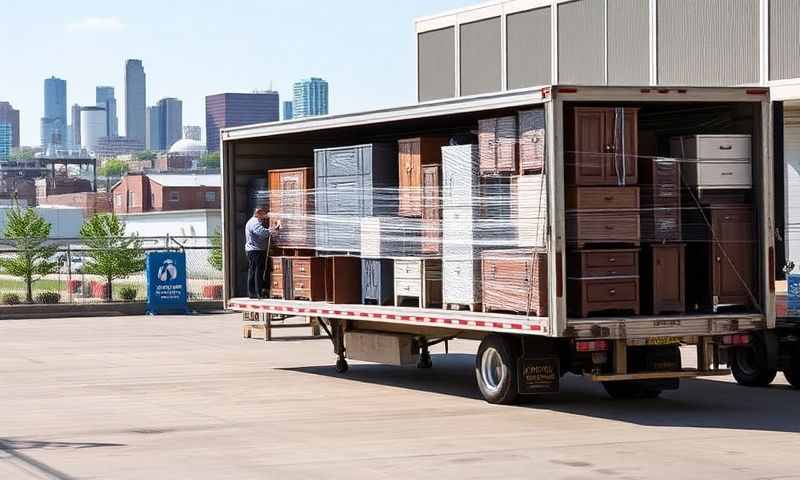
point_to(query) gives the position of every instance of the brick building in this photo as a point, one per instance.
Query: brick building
(140, 193)
(90, 202)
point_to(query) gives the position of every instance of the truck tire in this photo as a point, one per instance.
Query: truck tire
(749, 367)
(792, 371)
(630, 389)
(496, 370)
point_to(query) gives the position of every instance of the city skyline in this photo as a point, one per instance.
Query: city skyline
(107, 35)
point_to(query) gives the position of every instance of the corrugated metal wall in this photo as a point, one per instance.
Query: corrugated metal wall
(437, 64)
(784, 39)
(529, 44)
(791, 156)
(481, 69)
(708, 42)
(628, 42)
(581, 42)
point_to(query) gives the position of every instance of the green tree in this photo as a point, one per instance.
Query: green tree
(215, 255)
(113, 168)
(209, 160)
(23, 154)
(146, 155)
(112, 254)
(32, 259)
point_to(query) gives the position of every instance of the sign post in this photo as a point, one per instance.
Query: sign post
(166, 283)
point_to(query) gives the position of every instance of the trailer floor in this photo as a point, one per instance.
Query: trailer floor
(186, 397)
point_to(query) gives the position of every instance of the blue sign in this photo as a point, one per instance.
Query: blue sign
(166, 282)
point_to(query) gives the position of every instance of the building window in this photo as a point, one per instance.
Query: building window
(118, 200)
(211, 197)
(174, 196)
(131, 199)
(152, 200)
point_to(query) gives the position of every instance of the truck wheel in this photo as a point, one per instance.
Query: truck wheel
(749, 367)
(496, 370)
(792, 372)
(341, 365)
(629, 389)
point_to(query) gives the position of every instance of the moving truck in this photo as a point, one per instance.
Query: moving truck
(623, 278)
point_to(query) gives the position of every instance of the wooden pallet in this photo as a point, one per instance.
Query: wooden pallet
(263, 330)
(474, 307)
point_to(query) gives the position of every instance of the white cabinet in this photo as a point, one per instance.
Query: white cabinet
(530, 209)
(715, 161)
(418, 281)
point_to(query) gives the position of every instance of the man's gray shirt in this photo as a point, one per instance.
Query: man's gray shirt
(256, 235)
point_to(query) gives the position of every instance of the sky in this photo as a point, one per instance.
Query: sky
(366, 49)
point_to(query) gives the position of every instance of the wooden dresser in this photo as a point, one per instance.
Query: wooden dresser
(278, 286)
(431, 210)
(531, 140)
(603, 280)
(308, 278)
(497, 139)
(291, 203)
(515, 281)
(663, 279)
(418, 281)
(413, 155)
(377, 285)
(714, 162)
(350, 184)
(603, 215)
(601, 146)
(660, 199)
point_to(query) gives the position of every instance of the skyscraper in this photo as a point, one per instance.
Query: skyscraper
(135, 100)
(54, 122)
(310, 98)
(288, 110)
(5, 141)
(192, 132)
(10, 116)
(93, 127)
(234, 109)
(104, 97)
(76, 125)
(171, 110)
(153, 137)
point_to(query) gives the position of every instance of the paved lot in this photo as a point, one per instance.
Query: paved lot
(174, 398)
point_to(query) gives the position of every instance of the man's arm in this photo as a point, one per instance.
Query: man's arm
(261, 231)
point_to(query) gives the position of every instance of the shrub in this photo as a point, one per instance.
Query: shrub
(128, 294)
(48, 298)
(9, 299)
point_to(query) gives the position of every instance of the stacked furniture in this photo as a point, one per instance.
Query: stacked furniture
(291, 203)
(718, 220)
(418, 280)
(278, 286)
(499, 150)
(431, 210)
(531, 141)
(602, 200)
(515, 280)
(377, 284)
(413, 155)
(530, 209)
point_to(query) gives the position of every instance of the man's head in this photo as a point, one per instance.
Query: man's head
(261, 213)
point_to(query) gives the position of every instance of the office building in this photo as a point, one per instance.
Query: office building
(233, 109)
(192, 132)
(171, 111)
(54, 121)
(153, 130)
(310, 98)
(135, 100)
(93, 127)
(104, 97)
(10, 116)
(110, 147)
(6, 135)
(288, 110)
(75, 127)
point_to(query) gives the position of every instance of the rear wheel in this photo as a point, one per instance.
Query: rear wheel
(496, 370)
(792, 372)
(750, 368)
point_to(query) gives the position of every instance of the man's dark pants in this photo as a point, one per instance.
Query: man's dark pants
(256, 273)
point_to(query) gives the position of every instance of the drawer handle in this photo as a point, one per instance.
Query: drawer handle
(727, 218)
(407, 288)
(302, 285)
(274, 284)
(612, 260)
(612, 292)
(302, 269)
(726, 174)
(608, 198)
(726, 147)
(609, 227)
(612, 272)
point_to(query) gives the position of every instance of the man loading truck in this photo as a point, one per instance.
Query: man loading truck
(257, 240)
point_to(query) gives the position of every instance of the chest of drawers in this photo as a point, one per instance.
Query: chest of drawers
(531, 140)
(515, 281)
(418, 281)
(352, 182)
(660, 186)
(377, 286)
(291, 203)
(603, 215)
(497, 139)
(414, 153)
(308, 278)
(279, 278)
(715, 161)
(603, 280)
(601, 146)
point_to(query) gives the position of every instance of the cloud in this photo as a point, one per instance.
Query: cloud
(97, 24)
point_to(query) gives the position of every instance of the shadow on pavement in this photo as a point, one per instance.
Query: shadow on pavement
(698, 403)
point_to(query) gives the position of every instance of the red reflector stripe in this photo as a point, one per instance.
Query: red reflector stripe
(567, 90)
(757, 91)
(592, 346)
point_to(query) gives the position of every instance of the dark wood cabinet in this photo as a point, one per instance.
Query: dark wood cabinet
(515, 281)
(603, 215)
(660, 186)
(431, 209)
(291, 203)
(720, 268)
(602, 281)
(498, 146)
(377, 283)
(413, 154)
(531, 140)
(308, 278)
(342, 280)
(601, 146)
(662, 279)
(279, 287)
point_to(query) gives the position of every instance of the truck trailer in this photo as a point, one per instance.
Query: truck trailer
(620, 272)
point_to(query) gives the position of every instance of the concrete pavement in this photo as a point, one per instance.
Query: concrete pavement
(186, 397)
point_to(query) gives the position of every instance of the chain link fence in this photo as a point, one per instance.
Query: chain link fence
(74, 285)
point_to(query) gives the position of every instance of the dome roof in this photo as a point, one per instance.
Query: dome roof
(188, 146)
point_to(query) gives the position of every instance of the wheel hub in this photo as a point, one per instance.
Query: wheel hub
(492, 369)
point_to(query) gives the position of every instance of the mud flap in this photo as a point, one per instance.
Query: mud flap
(538, 375)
